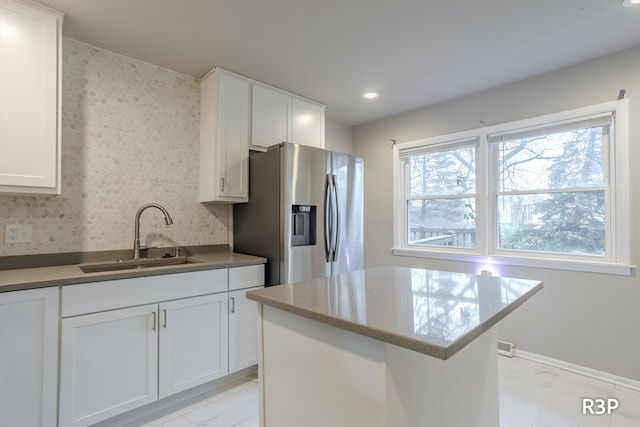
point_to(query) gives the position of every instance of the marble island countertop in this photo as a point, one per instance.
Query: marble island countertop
(31, 275)
(436, 313)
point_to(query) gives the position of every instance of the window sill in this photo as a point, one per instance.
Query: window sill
(547, 263)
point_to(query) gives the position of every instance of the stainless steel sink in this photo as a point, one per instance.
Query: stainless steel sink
(136, 264)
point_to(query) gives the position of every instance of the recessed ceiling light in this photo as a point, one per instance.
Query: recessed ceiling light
(374, 95)
(631, 3)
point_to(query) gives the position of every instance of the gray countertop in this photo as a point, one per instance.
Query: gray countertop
(68, 274)
(432, 312)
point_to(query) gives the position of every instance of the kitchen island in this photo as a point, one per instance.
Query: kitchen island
(387, 346)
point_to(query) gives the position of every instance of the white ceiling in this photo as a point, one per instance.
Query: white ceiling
(414, 52)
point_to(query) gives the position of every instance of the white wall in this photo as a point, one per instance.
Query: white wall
(338, 137)
(587, 319)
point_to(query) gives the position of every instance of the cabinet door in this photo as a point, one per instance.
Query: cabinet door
(243, 330)
(193, 342)
(233, 137)
(270, 111)
(307, 123)
(29, 357)
(109, 364)
(29, 80)
(225, 106)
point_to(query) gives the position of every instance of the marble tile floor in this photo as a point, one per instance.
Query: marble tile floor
(531, 395)
(537, 395)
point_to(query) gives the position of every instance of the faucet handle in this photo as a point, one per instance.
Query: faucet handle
(178, 251)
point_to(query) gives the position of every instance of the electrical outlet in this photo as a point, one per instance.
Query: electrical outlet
(17, 233)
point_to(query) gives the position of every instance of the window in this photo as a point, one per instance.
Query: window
(441, 200)
(553, 188)
(549, 191)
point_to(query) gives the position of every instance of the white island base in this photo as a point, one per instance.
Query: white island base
(316, 375)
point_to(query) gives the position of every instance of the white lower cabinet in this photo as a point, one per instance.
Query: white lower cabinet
(28, 357)
(117, 359)
(193, 336)
(126, 343)
(243, 330)
(109, 364)
(243, 316)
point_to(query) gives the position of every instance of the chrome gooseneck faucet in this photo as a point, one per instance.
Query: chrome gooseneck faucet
(136, 242)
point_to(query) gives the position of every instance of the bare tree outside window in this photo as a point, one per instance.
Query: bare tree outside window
(441, 208)
(550, 192)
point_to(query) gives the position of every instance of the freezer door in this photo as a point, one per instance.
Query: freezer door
(348, 171)
(305, 170)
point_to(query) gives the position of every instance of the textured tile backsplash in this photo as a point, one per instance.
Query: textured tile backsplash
(130, 136)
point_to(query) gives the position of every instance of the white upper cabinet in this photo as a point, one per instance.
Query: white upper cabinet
(30, 98)
(270, 111)
(278, 116)
(238, 114)
(225, 108)
(307, 123)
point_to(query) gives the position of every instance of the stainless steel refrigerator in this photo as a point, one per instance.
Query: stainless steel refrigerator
(304, 213)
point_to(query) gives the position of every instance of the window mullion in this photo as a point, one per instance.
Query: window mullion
(406, 167)
(553, 190)
(482, 202)
(491, 228)
(442, 197)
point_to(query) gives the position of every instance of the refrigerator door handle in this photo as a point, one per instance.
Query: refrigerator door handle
(328, 213)
(336, 227)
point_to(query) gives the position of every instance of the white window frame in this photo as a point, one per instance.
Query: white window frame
(439, 147)
(486, 255)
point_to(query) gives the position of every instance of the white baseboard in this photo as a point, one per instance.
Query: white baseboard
(581, 370)
(173, 403)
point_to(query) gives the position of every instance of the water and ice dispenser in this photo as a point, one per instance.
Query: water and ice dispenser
(303, 225)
